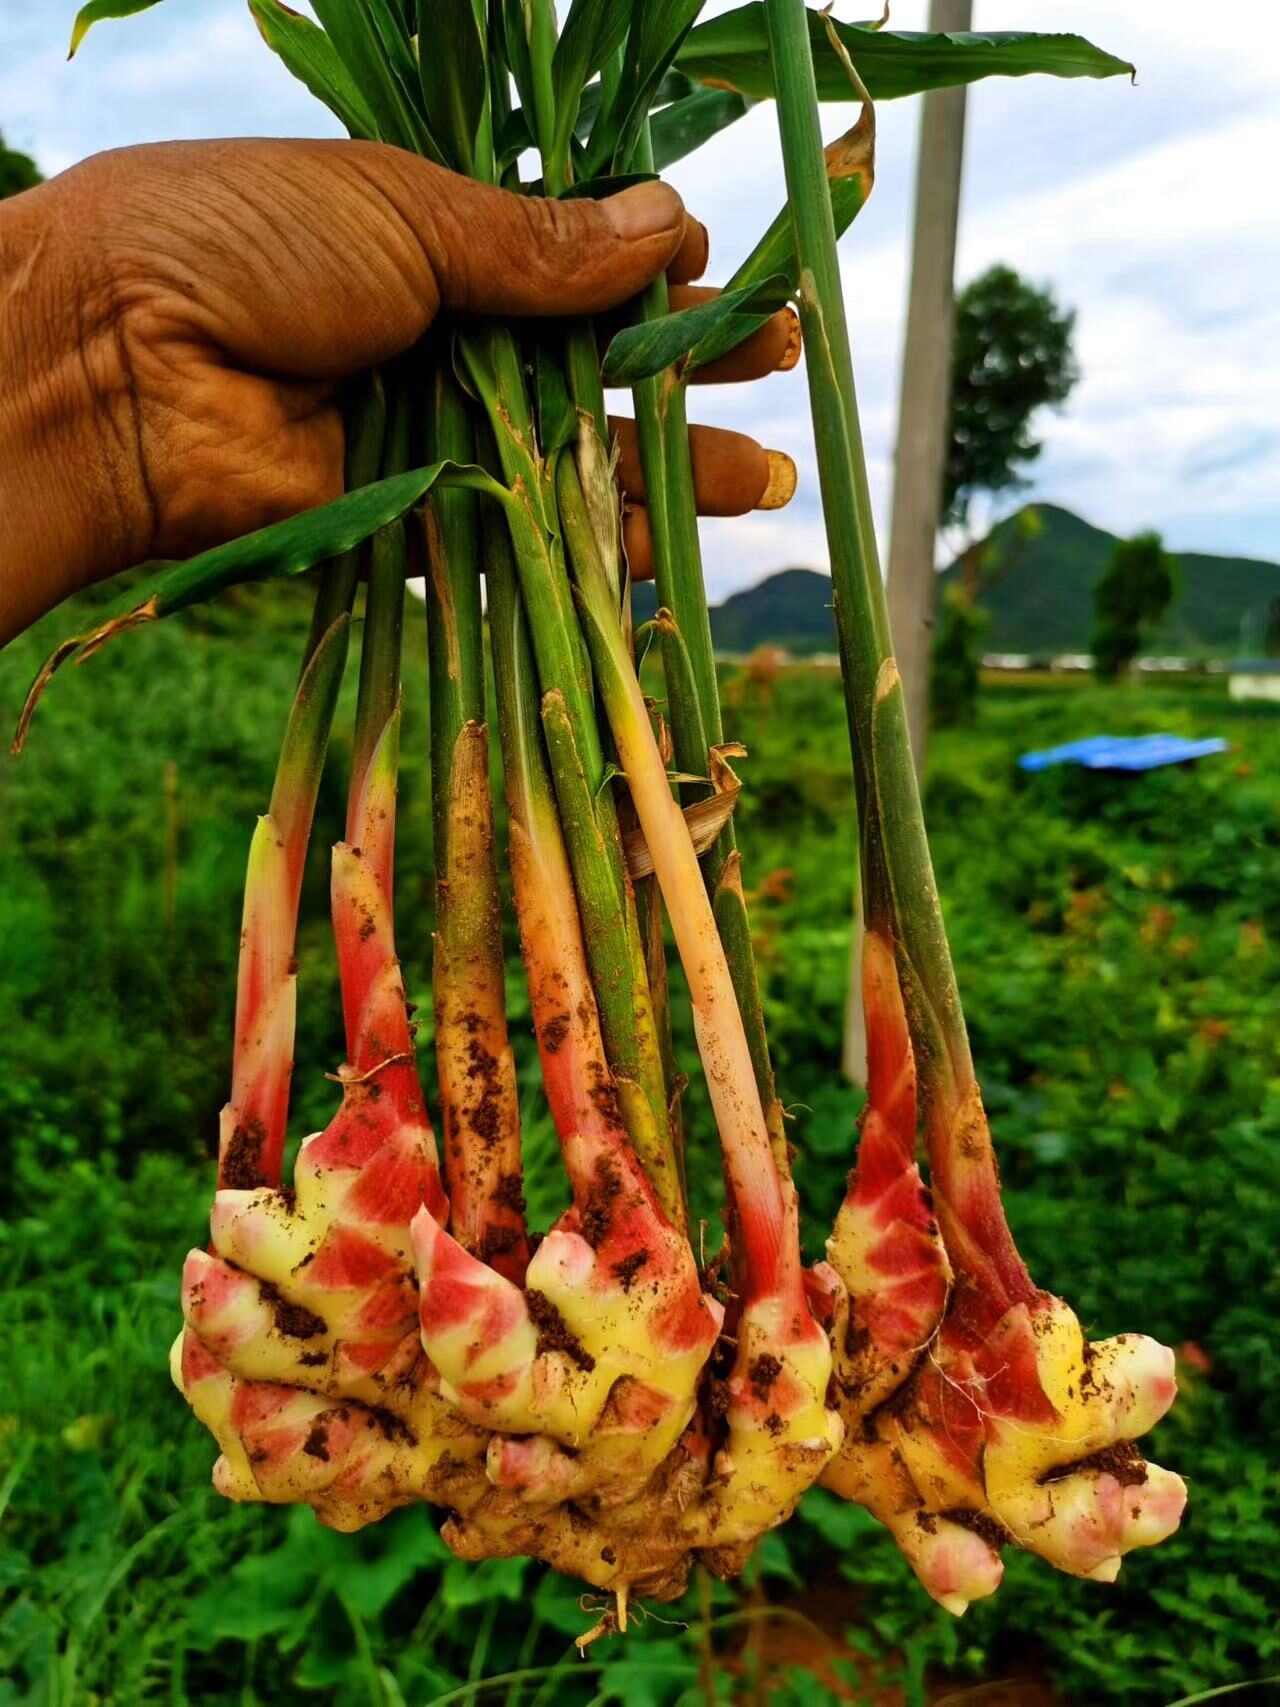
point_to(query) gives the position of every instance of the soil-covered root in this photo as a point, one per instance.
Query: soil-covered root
(312, 1284)
(885, 1247)
(779, 1433)
(975, 1416)
(353, 1463)
(624, 1546)
(1028, 1439)
(479, 1098)
(1022, 1435)
(589, 1375)
(315, 1285)
(600, 1354)
(887, 1278)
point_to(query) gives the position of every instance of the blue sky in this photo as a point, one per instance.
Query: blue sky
(1152, 210)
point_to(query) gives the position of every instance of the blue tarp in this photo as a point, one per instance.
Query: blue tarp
(1123, 752)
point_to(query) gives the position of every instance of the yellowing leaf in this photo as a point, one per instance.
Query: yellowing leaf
(96, 10)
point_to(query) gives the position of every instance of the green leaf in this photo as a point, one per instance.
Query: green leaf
(466, 1584)
(309, 54)
(513, 137)
(693, 336)
(406, 1548)
(306, 737)
(515, 44)
(841, 1525)
(593, 32)
(678, 129)
(1225, 1690)
(286, 548)
(596, 189)
(454, 77)
(772, 1558)
(657, 32)
(850, 166)
(675, 86)
(364, 35)
(97, 10)
(557, 417)
(631, 1682)
(732, 51)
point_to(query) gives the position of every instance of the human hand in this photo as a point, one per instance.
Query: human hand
(176, 320)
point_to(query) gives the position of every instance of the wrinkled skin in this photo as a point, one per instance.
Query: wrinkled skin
(176, 327)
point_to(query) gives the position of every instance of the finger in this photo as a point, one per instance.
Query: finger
(732, 474)
(509, 254)
(690, 259)
(637, 541)
(773, 348)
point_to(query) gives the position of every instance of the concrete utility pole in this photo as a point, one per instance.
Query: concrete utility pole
(926, 382)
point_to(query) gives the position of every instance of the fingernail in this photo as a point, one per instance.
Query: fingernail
(791, 355)
(645, 210)
(780, 487)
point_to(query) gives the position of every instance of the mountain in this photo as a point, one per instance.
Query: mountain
(791, 608)
(1042, 604)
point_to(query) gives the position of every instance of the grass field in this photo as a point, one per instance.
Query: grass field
(1118, 946)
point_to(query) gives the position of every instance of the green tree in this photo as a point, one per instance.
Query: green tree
(953, 671)
(17, 171)
(1012, 355)
(1134, 592)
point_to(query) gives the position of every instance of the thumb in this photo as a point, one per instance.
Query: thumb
(494, 252)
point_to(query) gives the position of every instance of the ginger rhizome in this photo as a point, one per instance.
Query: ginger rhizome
(384, 1328)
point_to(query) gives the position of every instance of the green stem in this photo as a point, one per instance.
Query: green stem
(524, 765)
(849, 164)
(565, 1009)
(663, 432)
(366, 428)
(873, 693)
(768, 1256)
(455, 626)
(541, 15)
(297, 781)
(649, 911)
(588, 810)
(380, 651)
(495, 369)
(897, 870)
(693, 691)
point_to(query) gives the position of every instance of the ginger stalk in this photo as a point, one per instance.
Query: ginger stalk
(1010, 1425)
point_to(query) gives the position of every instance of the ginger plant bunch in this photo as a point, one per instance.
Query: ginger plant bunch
(385, 1329)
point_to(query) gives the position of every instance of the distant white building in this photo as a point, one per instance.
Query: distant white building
(1254, 678)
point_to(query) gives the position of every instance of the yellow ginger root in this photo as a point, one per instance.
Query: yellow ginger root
(981, 1415)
